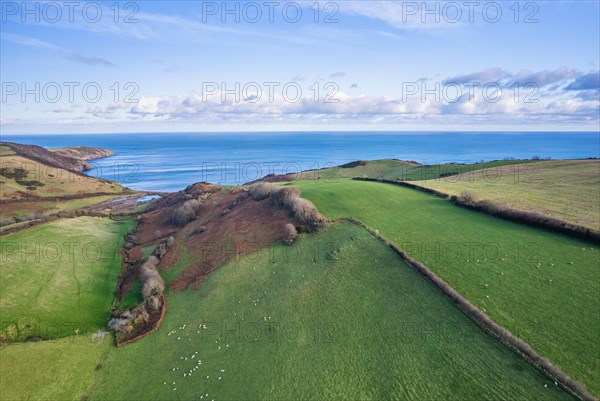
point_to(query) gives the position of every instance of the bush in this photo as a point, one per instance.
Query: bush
(285, 197)
(170, 241)
(140, 314)
(467, 197)
(194, 204)
(120, 325)
(289, 234)
(289, 198)
(183, 215)
(148, 269)
(154, 303)
(5, 221)
(262, 190)
(186, 212)
(306, 213)
(153, 286)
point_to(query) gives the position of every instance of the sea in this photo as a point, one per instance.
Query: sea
(172, 161)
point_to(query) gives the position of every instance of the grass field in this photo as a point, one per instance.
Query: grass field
(51, 206)
(59, 278)
(335, 316)
(20, 174)
(50, 370)
(542, 287)
(564, 189)
(390, 169)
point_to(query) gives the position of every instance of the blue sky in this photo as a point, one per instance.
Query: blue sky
(373, 65)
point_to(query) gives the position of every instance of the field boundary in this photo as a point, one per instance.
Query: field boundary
(514, 215)
(506, 337)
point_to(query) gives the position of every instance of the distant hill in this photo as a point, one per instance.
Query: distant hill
(35, 173)
(83, 152)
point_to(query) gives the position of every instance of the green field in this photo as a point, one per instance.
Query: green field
(49, 207)
(390, 169)
(61, 369)
(59, 278)
(339, 317)
(541, 286)
(564, 189)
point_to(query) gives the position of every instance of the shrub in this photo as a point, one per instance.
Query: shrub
(183, 215)
(120, 325)
(306, 213)
(170, 241)
(148, 269)
(467, 197)
(285, 197)
(194, 204)
(5, 221)
(289, 233)
(262, 190)
(140, 314)
(153, 286)
(154, 303)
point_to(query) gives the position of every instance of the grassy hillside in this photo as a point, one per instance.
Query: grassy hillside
(335, 316)
(21, 178)
(59, 278)
(541, 286)
(564, 189)
(397, 169)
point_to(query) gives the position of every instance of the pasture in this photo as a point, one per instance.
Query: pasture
(391, 169)
(563, 189)
(59, 279)
(335, 316)
(541, 286)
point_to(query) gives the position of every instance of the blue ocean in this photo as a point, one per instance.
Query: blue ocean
(171, 161)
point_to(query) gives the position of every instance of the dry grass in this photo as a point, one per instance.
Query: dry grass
(565, 189)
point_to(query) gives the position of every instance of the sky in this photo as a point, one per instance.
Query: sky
(192, 66)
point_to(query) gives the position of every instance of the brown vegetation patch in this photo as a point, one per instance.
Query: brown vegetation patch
(275, 178)
(245, 228)
(227, 224)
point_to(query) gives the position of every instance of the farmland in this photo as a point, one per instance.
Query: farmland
(541, 286)
(336, 315)
(391, 169)
(48, 207)
(59, 278)
(62, 369)
(563, 189)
